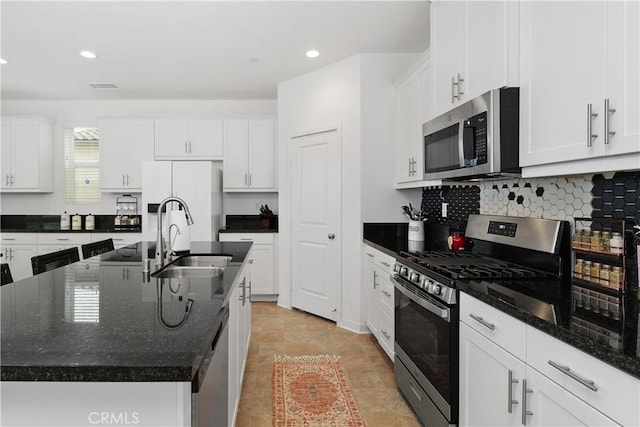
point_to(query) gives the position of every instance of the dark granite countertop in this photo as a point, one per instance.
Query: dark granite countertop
(387, 237)
(247, 230)
(250, 224)
(51, 224)
(100, 319)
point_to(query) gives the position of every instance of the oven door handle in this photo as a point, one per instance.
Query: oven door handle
(438, 311)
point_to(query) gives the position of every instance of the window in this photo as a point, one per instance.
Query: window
(81, 165)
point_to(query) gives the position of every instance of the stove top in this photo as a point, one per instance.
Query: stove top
(463, 265)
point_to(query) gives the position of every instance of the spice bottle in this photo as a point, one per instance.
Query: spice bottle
(596, 241)
(605, 273)
(606, 241)
(577, 268)
(586, 238)
(615, 245)
(595, 272)
(586, 271)
(577, 238)
(616, 277)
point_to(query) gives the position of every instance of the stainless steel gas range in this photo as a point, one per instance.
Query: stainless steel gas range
(506, 253)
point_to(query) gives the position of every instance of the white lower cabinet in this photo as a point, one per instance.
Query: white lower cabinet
(499, 388)
(119, 239)
(380, 297)
(17, 250)
(239, 335)
(263, 272)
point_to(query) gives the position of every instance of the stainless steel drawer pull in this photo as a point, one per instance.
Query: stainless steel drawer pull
(510, 384)
(370, 255)
(386, 335)
(387, 294)
(482, 321)
(591, 385)
(7, 238)
(386, 264)
(453, 92)
(460, 92)
(246, 238)
(525, 391)
(413, 389)
(62, 239)
(590, 116)
(607, 112)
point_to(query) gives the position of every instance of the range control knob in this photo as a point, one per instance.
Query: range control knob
(396, 268)
(404, 271)
(429, 286)
(437, 289)
(415, 277)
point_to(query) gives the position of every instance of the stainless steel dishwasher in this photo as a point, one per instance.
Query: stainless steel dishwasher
(210, 390)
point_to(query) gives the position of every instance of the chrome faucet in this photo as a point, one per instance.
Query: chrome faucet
(159, 238)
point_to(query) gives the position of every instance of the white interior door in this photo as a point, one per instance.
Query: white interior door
(315, 234)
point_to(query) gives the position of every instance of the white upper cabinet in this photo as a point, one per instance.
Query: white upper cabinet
(188, 139)
(474, 48)
(27, 155)
(249, 155)
(569, 74)
(124, 145)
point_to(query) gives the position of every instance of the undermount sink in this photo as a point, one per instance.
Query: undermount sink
(194, 266)
(188, 272)
(219, 261)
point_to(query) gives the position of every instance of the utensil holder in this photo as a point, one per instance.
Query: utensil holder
(416, 231)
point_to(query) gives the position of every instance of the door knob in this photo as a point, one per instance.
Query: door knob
(331, 236)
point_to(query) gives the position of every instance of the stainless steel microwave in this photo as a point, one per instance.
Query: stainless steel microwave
(477, 139)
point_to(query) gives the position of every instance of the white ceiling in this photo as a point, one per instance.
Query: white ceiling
(191, 50)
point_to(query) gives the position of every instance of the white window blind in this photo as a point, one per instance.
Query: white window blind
(81, 165)
(82, 292)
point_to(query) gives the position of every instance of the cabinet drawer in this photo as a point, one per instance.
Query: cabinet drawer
(379, 258)
(504, 330)
(257, 238)
(63, 238)
(385, 329)
(617, 393)
(119, 239)
(18, 238)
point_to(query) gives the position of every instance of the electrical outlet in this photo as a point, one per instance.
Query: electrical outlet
(444, 209)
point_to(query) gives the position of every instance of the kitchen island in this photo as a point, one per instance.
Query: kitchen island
(100, 342)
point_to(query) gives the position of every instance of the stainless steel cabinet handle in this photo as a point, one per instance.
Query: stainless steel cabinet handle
(386, 264)
(510, 384)
(62, 239)
(8, 238)
(127, 180)
(249, 180)
(189, 147)
(387, 294)
(249, 290)
(331, 236)
(453, 93)
(375, 282)
(607, 112)
(13, 179)
(525, 391)
(185, 148)
(409, 169)
(482, 321)
(11, 254)
(591, 385)
(123, 180)
(6, 181)
(369, 254)
(460, 92)
(386, 335)
(590, 116)
(247, 238)
(244, 290)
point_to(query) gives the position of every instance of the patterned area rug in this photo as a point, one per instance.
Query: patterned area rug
(312, 391)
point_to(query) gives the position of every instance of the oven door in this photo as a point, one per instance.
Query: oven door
(426, 342)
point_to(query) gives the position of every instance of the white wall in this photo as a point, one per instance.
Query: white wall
(332, 95)
(74, 113)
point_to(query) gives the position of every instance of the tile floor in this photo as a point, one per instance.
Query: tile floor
(276, 330)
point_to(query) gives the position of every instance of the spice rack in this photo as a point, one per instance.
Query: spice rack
(598, 282)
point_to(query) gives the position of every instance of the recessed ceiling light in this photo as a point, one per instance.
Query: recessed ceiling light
(3, 61)
(88, 54)
(313, 54)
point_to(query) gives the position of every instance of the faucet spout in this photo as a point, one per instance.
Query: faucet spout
(160, 245)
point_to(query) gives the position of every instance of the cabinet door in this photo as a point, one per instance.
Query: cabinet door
(373, 297)
(19, 259)
(562, 71)
(262, 270)
(192, 182)
(408, 133)
(171, 139)
(140, 149)
(487, 393)
(487, 46)
(551, 405)
(261, 154)
(236, 154)
(26, 146)
(6, 154)
(623, 69)
(234, 339)
(114, 154)
(448, 34)
(205, 139)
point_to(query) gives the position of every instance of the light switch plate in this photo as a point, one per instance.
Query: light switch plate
(444, 209)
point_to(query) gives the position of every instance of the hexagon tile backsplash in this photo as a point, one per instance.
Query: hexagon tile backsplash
(555, 198)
